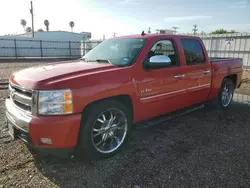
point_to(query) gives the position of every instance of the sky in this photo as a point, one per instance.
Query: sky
(126, 16)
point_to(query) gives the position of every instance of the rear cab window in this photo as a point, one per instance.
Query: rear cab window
(193, 51)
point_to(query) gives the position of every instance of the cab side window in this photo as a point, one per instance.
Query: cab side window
(166, 48)
(193, 51)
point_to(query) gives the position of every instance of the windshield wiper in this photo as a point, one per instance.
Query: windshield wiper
(103, 61)
(83, 59)
(97, 60)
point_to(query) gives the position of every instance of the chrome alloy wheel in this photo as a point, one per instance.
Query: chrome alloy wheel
(227, 95)
(109, 130)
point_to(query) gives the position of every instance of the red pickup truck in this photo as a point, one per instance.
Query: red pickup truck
(89, 106)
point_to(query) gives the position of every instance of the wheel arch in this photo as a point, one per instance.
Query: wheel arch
(125, 99)
(232, 77)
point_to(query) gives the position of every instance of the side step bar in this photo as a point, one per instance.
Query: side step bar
(163, 118)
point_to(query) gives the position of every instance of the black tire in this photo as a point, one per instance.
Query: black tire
(218, 102)
(86, 148)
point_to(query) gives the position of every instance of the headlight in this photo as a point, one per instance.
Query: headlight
(55, 102)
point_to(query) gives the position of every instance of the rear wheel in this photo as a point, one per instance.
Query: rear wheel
(227, 93)
(105, 131)
(225, 96)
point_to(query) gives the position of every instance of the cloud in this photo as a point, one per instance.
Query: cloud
(240, 4)
(129, 2)
(185, 18)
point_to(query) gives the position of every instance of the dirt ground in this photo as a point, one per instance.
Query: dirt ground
(206, 148)
(245, 87)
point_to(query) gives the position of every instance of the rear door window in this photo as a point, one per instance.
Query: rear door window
(193, 51)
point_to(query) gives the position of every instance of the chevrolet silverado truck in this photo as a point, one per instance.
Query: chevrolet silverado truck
(88, 107)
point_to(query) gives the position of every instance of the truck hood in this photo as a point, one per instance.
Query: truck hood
(32, 77)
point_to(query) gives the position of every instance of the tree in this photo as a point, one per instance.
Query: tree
(23, 23)
(40, 30)
(46, 23)
(202, 33)
(28, 30)
(223, 31)
(71, 24)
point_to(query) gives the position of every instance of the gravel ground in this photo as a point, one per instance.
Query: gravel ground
(7, 68)
(206, 148)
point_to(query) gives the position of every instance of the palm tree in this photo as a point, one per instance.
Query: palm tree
(23, 23)
(28, 30)
(71, 24)
(46, 23)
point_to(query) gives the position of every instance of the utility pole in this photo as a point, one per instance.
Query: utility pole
(195, 29)
(149, 30)
(175, 29)
(32, 17)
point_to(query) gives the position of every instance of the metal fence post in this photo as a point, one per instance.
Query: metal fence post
(240, 45)
(83, 48)
(211, 46)
(70, 49)
(15, 48)
(86, 47)
(41, 48)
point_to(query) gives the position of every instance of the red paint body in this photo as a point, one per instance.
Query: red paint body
(90, 82)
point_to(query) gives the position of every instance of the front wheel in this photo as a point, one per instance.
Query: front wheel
(105, 131)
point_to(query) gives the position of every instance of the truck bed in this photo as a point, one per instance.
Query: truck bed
(221, 68)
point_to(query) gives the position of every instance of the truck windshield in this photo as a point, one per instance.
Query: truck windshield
(119, 52)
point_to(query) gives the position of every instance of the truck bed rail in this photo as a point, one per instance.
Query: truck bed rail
(220, 59)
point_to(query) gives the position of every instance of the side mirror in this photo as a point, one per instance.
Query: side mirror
(158, 61)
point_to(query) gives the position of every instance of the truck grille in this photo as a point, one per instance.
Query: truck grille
(22, 98)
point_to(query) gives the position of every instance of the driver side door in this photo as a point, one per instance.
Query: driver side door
(162, 89)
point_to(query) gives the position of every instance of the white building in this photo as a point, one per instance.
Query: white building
(52, 36)
(165, 31)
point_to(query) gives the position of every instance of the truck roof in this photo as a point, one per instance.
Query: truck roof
(148, 36)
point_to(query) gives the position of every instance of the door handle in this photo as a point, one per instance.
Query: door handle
(179, 76)
(206, 71)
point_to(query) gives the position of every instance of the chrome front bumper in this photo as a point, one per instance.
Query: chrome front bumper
(16, 117)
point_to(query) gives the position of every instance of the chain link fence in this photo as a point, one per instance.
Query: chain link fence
(235, 45)
(23, 48)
